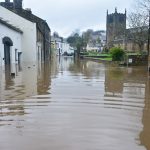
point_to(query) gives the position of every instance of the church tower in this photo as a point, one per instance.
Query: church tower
(115, 26)
(17, 4)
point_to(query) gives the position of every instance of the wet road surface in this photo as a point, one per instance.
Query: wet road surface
(75, 105)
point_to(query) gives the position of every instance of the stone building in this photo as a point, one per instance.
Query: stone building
(116, 27)
(118, 35)
(42, 29)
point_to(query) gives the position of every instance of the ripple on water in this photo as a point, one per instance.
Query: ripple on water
(75, 106)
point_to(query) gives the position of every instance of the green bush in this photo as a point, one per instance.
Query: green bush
(117, 54)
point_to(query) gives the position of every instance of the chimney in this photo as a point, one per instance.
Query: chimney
(28, 10)
(7, 1)
(18, 4)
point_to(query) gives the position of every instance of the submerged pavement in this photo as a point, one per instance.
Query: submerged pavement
(75, 105)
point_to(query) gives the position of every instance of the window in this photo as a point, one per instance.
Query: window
(16, 55)
(121, 19)
(110, 19)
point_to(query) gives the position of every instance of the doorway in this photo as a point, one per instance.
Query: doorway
(7, 44)
(7, 54)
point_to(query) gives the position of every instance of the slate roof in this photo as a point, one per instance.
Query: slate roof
(4, 22)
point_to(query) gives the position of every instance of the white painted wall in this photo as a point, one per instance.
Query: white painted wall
(59, 47)
(66, 48)
(29, 34)
(16, 37)
(89, 48)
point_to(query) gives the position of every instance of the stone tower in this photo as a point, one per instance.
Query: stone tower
(17, 4)
(115, 27)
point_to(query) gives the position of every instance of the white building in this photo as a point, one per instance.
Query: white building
(25, 42)
(91, 47)
(67, 49)
(10, 44)
(97, 41)
(61, 46)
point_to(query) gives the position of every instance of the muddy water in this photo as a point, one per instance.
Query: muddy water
(75, 105)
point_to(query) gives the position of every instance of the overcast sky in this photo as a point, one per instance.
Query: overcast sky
(65, 16)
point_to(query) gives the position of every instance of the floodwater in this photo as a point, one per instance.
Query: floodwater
(75, 105)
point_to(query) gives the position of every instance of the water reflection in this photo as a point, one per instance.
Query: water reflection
(126, 90)
(114, 80)
(87, 68)
(93, 105)
(8, 79)
(145, 134)
(44, 79)
(19, 93)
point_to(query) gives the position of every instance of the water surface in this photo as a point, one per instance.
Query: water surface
(75, 105)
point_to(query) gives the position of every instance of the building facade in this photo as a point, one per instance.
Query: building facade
(117, 34)
(28, 38)
(95, 40)
(10, 45)
(42, 29)
(116, 27)
(60, 46)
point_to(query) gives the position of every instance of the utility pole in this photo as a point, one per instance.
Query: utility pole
(148, 44)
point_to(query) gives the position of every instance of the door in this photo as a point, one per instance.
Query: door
(7, 54)
(7, 44)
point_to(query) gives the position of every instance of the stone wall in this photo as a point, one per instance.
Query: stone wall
(137, 60)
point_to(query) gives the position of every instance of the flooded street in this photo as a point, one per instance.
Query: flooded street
(75, 105)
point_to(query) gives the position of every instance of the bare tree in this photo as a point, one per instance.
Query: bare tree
(87, 35)
(138, 23)
(144, 5)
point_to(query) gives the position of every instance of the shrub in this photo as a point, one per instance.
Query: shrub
(117, 54)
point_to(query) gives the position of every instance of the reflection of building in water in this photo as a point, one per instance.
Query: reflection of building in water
(134, 88)
(64, 63)
(135, 83)
(54, 67)
(125, 81)
(24, 90)
(88, 68)
(114, 81)
(44, 79)
(29, 79)
(8, 79)
(145, 134)
(23, 85)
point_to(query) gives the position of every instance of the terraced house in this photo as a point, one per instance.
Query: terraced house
(17, 39)
(42, 29)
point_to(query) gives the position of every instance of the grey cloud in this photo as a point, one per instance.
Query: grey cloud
(64, 16)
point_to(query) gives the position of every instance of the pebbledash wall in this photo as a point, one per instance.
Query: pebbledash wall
(28, 37)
